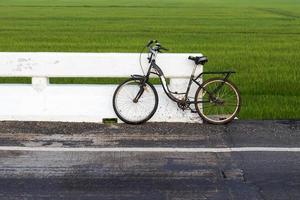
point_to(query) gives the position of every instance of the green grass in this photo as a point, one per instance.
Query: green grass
(260, 39)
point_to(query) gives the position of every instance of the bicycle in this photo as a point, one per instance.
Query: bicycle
(217, 100)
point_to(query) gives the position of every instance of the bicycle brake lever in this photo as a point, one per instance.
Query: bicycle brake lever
(163, 48)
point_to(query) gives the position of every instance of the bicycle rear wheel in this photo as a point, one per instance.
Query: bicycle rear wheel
(221, 101)
(135, 112)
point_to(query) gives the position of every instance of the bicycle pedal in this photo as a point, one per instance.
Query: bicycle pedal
(193, 111)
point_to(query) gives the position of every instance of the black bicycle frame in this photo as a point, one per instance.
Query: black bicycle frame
(157, 71)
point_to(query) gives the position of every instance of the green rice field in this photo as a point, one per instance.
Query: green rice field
(260, 39)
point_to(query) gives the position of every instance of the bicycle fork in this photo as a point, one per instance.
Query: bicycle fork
(143, 80)
(139, 94)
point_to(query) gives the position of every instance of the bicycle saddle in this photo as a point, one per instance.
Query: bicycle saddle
(199, 59)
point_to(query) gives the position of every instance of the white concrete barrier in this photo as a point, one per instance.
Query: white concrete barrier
(42, 101)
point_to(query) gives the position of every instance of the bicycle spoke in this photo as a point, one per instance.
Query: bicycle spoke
(221, 101)
(132, 111)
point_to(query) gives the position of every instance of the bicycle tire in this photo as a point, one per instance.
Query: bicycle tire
(200, 110)
(126, 119)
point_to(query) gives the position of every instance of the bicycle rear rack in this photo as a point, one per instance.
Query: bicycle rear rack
(226, 73)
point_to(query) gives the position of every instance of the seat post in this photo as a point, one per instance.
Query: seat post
(194, 70)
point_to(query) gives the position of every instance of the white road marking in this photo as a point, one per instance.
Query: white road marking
(153, 149)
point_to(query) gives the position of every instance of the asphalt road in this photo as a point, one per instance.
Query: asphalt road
(150, 175)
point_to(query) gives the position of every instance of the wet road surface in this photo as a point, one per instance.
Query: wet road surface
(150, 175)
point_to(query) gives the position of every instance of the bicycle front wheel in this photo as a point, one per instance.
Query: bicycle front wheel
(131, 111)
(219, 101)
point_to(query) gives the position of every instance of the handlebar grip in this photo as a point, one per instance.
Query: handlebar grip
(150, 42)
(191, 57)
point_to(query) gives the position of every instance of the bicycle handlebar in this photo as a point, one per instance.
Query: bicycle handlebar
(154, 46)
(151, 42)
(157, 46)
(163, 48)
